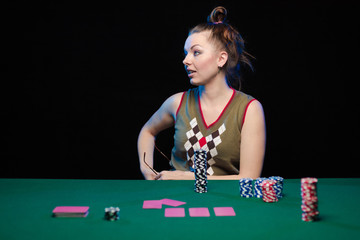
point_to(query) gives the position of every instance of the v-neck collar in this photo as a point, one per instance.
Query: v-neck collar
(221, 114)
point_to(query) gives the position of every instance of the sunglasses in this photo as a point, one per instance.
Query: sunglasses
(153, 170)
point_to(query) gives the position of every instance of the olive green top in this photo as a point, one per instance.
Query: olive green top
(221, 139)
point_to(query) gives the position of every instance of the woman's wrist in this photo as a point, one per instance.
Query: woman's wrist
(148, 174)
(189, 175)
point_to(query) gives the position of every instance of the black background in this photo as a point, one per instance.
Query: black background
(81, 80)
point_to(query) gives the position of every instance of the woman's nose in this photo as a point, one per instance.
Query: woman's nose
(186, 61)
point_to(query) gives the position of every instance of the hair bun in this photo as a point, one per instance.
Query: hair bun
(218, 15)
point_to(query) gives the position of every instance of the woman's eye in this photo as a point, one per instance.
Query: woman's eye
(196, 53)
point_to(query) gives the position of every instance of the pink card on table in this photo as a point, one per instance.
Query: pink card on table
(199, 212)
(174, 212)
(171, 202)
(224, 211)
(152, 204)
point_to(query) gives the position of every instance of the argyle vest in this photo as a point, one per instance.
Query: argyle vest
(220, 139)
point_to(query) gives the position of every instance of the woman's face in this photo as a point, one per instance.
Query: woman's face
(201, 58)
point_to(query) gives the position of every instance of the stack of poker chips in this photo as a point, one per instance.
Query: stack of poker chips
(200, 169)
(71, 211)
(278, 187)
(246, 187)
(268, 191)
(112, 213)
(257, 187)
(309, 197)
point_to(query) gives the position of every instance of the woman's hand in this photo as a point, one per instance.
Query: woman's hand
(175, 175)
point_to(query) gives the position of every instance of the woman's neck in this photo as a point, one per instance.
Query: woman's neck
(215, 90)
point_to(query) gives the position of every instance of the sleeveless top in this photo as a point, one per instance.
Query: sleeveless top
(220, 139)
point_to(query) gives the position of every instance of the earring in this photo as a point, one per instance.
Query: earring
(219, 68)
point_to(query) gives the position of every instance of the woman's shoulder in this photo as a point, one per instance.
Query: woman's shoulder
(248, 103)
(177, 98)
(173, 102)
(244, 96)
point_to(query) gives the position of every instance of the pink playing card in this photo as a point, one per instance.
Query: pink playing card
(224, 211)
(70, 209)
(174, 212)
(199, 212)
(171, 202)
(152, 204)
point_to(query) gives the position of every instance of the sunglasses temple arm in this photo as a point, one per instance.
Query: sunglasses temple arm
(149, 165)
(162, 153)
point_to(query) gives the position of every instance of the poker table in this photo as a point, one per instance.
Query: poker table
(26, 210)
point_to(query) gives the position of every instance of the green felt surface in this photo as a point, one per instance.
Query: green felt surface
(26, 206)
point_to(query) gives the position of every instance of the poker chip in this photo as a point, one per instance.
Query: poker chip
(268, 191)
(200, 168)
(246, 187)
(309, 202)
(112, 213)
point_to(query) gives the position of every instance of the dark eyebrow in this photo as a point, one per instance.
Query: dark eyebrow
(194, 46)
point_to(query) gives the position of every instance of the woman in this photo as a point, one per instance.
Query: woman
(211, 116)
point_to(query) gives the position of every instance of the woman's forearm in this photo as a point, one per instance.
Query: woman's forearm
(146, 142)
(224, 177)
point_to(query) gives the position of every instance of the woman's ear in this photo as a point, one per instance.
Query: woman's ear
(223, 57)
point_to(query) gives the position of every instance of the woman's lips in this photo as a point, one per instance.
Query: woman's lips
(191, 73)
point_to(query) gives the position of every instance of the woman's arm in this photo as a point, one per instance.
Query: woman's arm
(187, 175)
(163, 118)
(253, 141)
